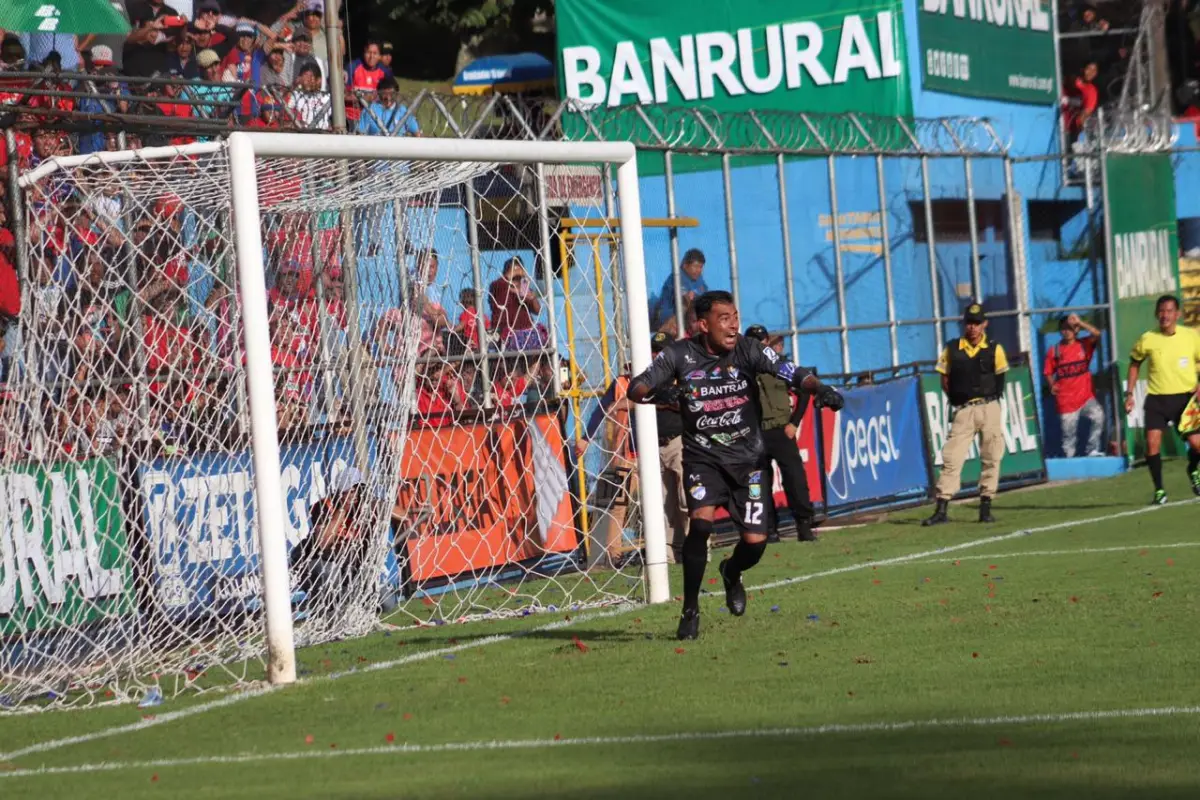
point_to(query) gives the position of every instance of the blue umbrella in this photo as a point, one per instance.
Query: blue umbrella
(520, 72)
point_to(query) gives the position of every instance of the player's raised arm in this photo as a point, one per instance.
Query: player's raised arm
(764, 359)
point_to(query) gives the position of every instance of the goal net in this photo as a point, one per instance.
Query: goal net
(438, 353)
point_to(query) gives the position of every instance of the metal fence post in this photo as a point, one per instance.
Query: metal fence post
(839, 276)
(727, 181)
(973, 224)
(785, 226)
(935, 284)
(887, 262)
(547, 274)
(673, 232)
(1016, 246)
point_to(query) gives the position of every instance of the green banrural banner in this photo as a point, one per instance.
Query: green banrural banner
(63, 559)
(1002, 49)
(1143, 263)
(1023, 457)
(760, 55)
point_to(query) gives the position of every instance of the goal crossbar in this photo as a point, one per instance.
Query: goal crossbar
(243, 150)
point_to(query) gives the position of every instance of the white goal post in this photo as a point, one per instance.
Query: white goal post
(236, 417)
(244, 149)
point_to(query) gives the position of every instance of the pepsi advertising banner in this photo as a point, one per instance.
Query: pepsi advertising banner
(874, 447)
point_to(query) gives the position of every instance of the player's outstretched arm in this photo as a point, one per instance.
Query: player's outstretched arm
(657, 383)
(765, 359)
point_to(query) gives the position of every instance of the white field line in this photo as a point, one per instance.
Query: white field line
(888, 562)
(1075, 552)
(160, 719)
(812, 731)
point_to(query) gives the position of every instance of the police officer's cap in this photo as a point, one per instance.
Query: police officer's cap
(758, 332)
(975, 314)
(659, 342)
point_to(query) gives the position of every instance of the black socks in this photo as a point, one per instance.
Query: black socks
(695, 559)
(1154, 464)
(744, 557)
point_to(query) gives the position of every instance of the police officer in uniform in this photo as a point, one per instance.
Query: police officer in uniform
(779, 420)
(972, 371)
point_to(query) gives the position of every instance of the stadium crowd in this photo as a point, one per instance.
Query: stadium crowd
(131, 295)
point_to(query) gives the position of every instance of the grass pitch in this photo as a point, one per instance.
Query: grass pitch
(1059, 663)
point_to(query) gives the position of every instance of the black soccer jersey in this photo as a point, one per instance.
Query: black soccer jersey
(720, 419)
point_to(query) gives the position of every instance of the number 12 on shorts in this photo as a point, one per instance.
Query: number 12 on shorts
(754, 512)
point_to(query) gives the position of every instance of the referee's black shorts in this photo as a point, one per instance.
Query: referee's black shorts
(1164, 410)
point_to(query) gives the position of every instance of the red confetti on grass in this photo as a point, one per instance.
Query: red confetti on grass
(558, 737)
(680, 651)
(956, 563)
(407, 715)
(427, 601)
(1170, 562)
(1075, 755)
(580, 646)
(151, 717)
(876, 581)
(391, 737)
(309, 739)
(333, 745)
(974, 655)
(154, 778)
(462, 679)
(992, 566)
(1157, 594)
(504, 701)
(712, 580)
(1005, 742)
(1142, 553)
(1074, 599)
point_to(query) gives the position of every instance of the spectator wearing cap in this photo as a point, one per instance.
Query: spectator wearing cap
(115, 42)
(268, 116)
(308, 107)
(105, 94)
(691, 286)
(245, 61)
(181, 57)
(780, 412)
(386, 117)
(385, 56)
(366, 73)
(216, 37)
(216, 98)
(1069, 372)
(514, 305)
(972, 370)
(301, 55)
(314, 26)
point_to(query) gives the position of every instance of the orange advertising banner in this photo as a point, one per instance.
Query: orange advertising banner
(470, 495)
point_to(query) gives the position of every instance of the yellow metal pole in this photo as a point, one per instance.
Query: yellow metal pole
(566, 245)
(603, 320)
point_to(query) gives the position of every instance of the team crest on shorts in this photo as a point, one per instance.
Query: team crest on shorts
(755, 491)
(698, 492)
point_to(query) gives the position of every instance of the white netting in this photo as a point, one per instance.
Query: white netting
(424, 482)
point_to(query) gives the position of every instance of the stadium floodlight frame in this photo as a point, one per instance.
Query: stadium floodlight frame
(243, 150)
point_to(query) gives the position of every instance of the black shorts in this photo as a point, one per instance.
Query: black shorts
(741, 490)
(1164, 410)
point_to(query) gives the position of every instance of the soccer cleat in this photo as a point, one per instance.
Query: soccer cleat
(985, 510)
(1160, 498)
(1195, 476)
(689, 625)
(735, 593)
(939, 517)
(804, 532)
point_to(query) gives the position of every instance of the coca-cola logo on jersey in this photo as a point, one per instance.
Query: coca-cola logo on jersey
(723, 421)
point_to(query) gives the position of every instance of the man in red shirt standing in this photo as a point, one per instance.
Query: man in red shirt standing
(1068, 369)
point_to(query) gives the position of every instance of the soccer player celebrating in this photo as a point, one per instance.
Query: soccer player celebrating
(1171, 354)
(711, 376)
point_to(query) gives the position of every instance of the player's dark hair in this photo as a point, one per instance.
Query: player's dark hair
(705, 302)
(1166, 298)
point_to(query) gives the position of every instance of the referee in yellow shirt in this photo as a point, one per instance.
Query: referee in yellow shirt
(1171, 355)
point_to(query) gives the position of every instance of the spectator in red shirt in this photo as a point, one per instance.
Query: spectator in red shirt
(365, 74)
(514, 303)
(468, 320)
(1082, 98)
(1068, 369)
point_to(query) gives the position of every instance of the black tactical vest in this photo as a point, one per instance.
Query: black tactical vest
(972, 377)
